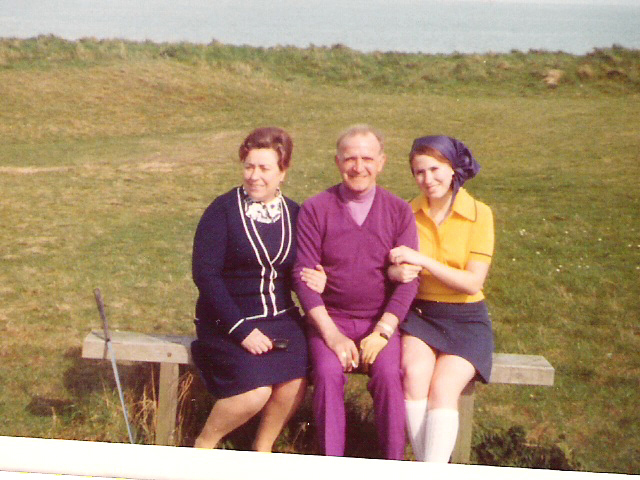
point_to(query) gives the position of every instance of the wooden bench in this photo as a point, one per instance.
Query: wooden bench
(171, 351)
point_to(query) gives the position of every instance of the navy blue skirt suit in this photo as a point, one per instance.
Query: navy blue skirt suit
(242, 269)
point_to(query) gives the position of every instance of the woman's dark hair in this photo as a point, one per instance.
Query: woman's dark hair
(430, 151)
(269, 137)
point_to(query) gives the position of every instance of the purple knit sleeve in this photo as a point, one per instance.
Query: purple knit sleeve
(404, 293)
(309, 253)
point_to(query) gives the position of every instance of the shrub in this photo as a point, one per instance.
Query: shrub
(511, 448)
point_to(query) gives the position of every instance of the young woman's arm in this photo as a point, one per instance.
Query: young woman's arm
(469, 281)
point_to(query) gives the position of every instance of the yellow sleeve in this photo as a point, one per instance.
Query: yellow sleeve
(482, 235)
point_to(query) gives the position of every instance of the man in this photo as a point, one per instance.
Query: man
(349, 230)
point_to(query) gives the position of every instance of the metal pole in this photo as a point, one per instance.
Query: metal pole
(112, 355)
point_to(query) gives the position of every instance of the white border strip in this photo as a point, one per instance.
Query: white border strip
(152, 462)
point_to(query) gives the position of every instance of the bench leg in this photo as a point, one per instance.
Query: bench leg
(167, 403)
(462, 450)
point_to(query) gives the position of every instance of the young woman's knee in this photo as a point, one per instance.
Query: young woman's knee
(446, 387)
(416, 369)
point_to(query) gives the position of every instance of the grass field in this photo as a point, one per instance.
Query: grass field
(110, 151)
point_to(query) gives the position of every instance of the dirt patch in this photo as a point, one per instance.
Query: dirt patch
(157, 166)
(31, 170)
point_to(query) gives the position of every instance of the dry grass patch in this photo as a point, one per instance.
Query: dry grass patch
(115, 100)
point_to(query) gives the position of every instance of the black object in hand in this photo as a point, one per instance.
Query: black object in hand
(280, 343)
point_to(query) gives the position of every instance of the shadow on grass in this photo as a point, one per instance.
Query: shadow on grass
(80, 380)
(88, 376)
(41, 406)
(511, 448)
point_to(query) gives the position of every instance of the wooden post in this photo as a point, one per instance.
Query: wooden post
(167, 403)
(462, 450)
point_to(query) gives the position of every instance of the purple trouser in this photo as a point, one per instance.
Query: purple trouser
(385, 387)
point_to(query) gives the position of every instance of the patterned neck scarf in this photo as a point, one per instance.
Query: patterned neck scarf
(263, 212)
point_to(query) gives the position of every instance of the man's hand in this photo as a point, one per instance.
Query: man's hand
(370, 347)
(345, 350)
(257, 342)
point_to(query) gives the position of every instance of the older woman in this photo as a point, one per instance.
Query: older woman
(447, 337)
(251, 349)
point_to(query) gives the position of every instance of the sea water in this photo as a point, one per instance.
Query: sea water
(428, 26)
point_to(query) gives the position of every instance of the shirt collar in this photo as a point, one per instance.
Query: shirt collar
(263, 212)
(463, 205)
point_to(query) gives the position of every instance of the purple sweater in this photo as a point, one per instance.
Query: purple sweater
(354, 257)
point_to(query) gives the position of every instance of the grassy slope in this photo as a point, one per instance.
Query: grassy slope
(109, 152)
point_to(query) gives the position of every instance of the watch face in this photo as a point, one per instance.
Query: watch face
(384, 335)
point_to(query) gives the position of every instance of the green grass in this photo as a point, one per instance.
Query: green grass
(110, 151)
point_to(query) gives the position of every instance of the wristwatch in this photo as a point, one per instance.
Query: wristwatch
(385, 335)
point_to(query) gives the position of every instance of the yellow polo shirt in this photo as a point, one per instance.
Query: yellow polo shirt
(467, 234)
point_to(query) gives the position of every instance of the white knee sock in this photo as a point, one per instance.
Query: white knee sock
(416, 418)
(440, 436)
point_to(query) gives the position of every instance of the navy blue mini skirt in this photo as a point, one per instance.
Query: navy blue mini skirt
(228, 369)
(462, 329)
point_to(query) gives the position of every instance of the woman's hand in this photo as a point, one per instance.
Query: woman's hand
(316, 279)
(404, 273)
(404, 254)
(257, 342)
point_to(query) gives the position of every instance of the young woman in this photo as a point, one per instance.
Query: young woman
(447, 337)
(251, 349)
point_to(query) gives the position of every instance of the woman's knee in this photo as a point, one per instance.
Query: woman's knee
(258, 397)
(290, 389)
(416, 369)
(444, 391)
(418, 359)
(416, 377)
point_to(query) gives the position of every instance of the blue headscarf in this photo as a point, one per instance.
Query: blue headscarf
(464, 165)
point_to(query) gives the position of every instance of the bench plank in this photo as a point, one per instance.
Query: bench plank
(521, 370)
(171, 351)
(139, 347)
(142, 347)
